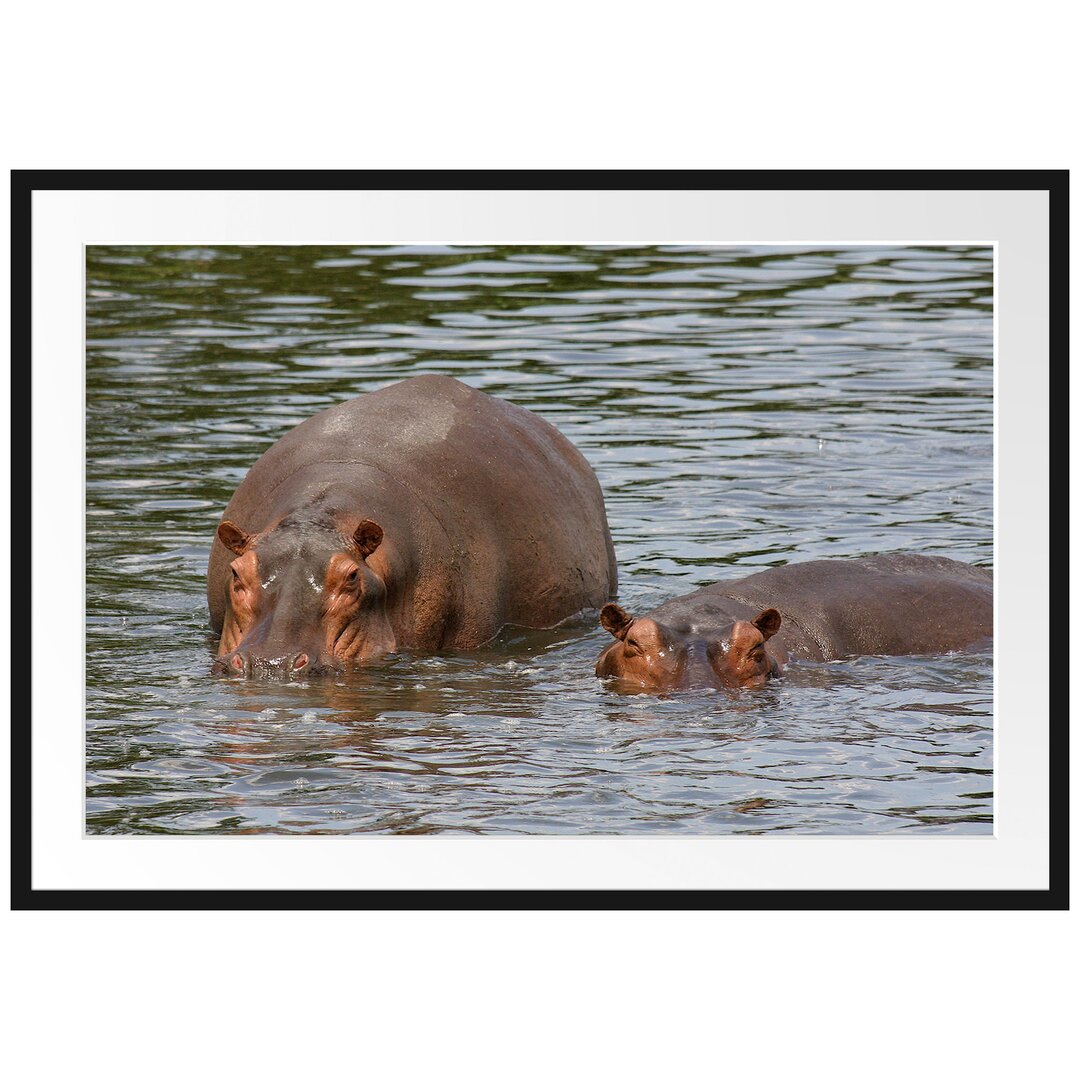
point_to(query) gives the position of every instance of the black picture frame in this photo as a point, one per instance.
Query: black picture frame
(24, 183)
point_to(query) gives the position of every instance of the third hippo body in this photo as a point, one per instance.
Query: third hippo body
(741, 633)
(883, 605)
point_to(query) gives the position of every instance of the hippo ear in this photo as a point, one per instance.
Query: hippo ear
(768, 622)
(615, 620)
(368, 537)
(233, 537)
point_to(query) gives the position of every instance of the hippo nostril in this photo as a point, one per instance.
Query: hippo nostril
(300, 662)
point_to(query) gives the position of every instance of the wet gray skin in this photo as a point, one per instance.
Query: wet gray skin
(654, 657)
(440, 466)
(878, 604)
(288, 636)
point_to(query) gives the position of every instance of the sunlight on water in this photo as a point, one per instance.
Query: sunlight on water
(742, 407)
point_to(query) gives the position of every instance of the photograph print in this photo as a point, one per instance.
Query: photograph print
(489, 540)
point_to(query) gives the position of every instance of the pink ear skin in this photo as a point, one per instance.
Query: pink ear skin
(367, 537)
(768, 622)
(615, 620)
(233, 537)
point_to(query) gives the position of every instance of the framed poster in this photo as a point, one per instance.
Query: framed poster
(759, 370)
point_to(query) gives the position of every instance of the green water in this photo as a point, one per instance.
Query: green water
(742, 407)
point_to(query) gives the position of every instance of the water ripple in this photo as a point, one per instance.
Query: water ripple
(742, 407)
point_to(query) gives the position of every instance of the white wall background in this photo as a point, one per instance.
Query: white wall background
(825, 85)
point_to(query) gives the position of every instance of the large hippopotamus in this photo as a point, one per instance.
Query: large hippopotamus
(741, 633)
(423, 516)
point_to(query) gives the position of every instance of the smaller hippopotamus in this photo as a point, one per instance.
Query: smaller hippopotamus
(740, 634)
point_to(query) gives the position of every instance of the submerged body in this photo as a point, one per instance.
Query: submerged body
(741, 633)
(423, 516)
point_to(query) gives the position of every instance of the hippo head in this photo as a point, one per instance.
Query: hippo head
(302, 597)
(649, 656)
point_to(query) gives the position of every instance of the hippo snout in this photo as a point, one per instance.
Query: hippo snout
(247, 665)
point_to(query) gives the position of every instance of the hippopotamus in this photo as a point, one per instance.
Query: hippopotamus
(741, 633)
(424, 516)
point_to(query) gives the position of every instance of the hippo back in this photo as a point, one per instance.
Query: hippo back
(468, 488)
(875, 605)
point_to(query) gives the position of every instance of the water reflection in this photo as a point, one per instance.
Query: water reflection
(742, 407)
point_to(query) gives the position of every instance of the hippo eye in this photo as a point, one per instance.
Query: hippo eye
(352, 579)
(237, 583)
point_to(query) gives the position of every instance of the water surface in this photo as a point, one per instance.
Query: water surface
(742, 407)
